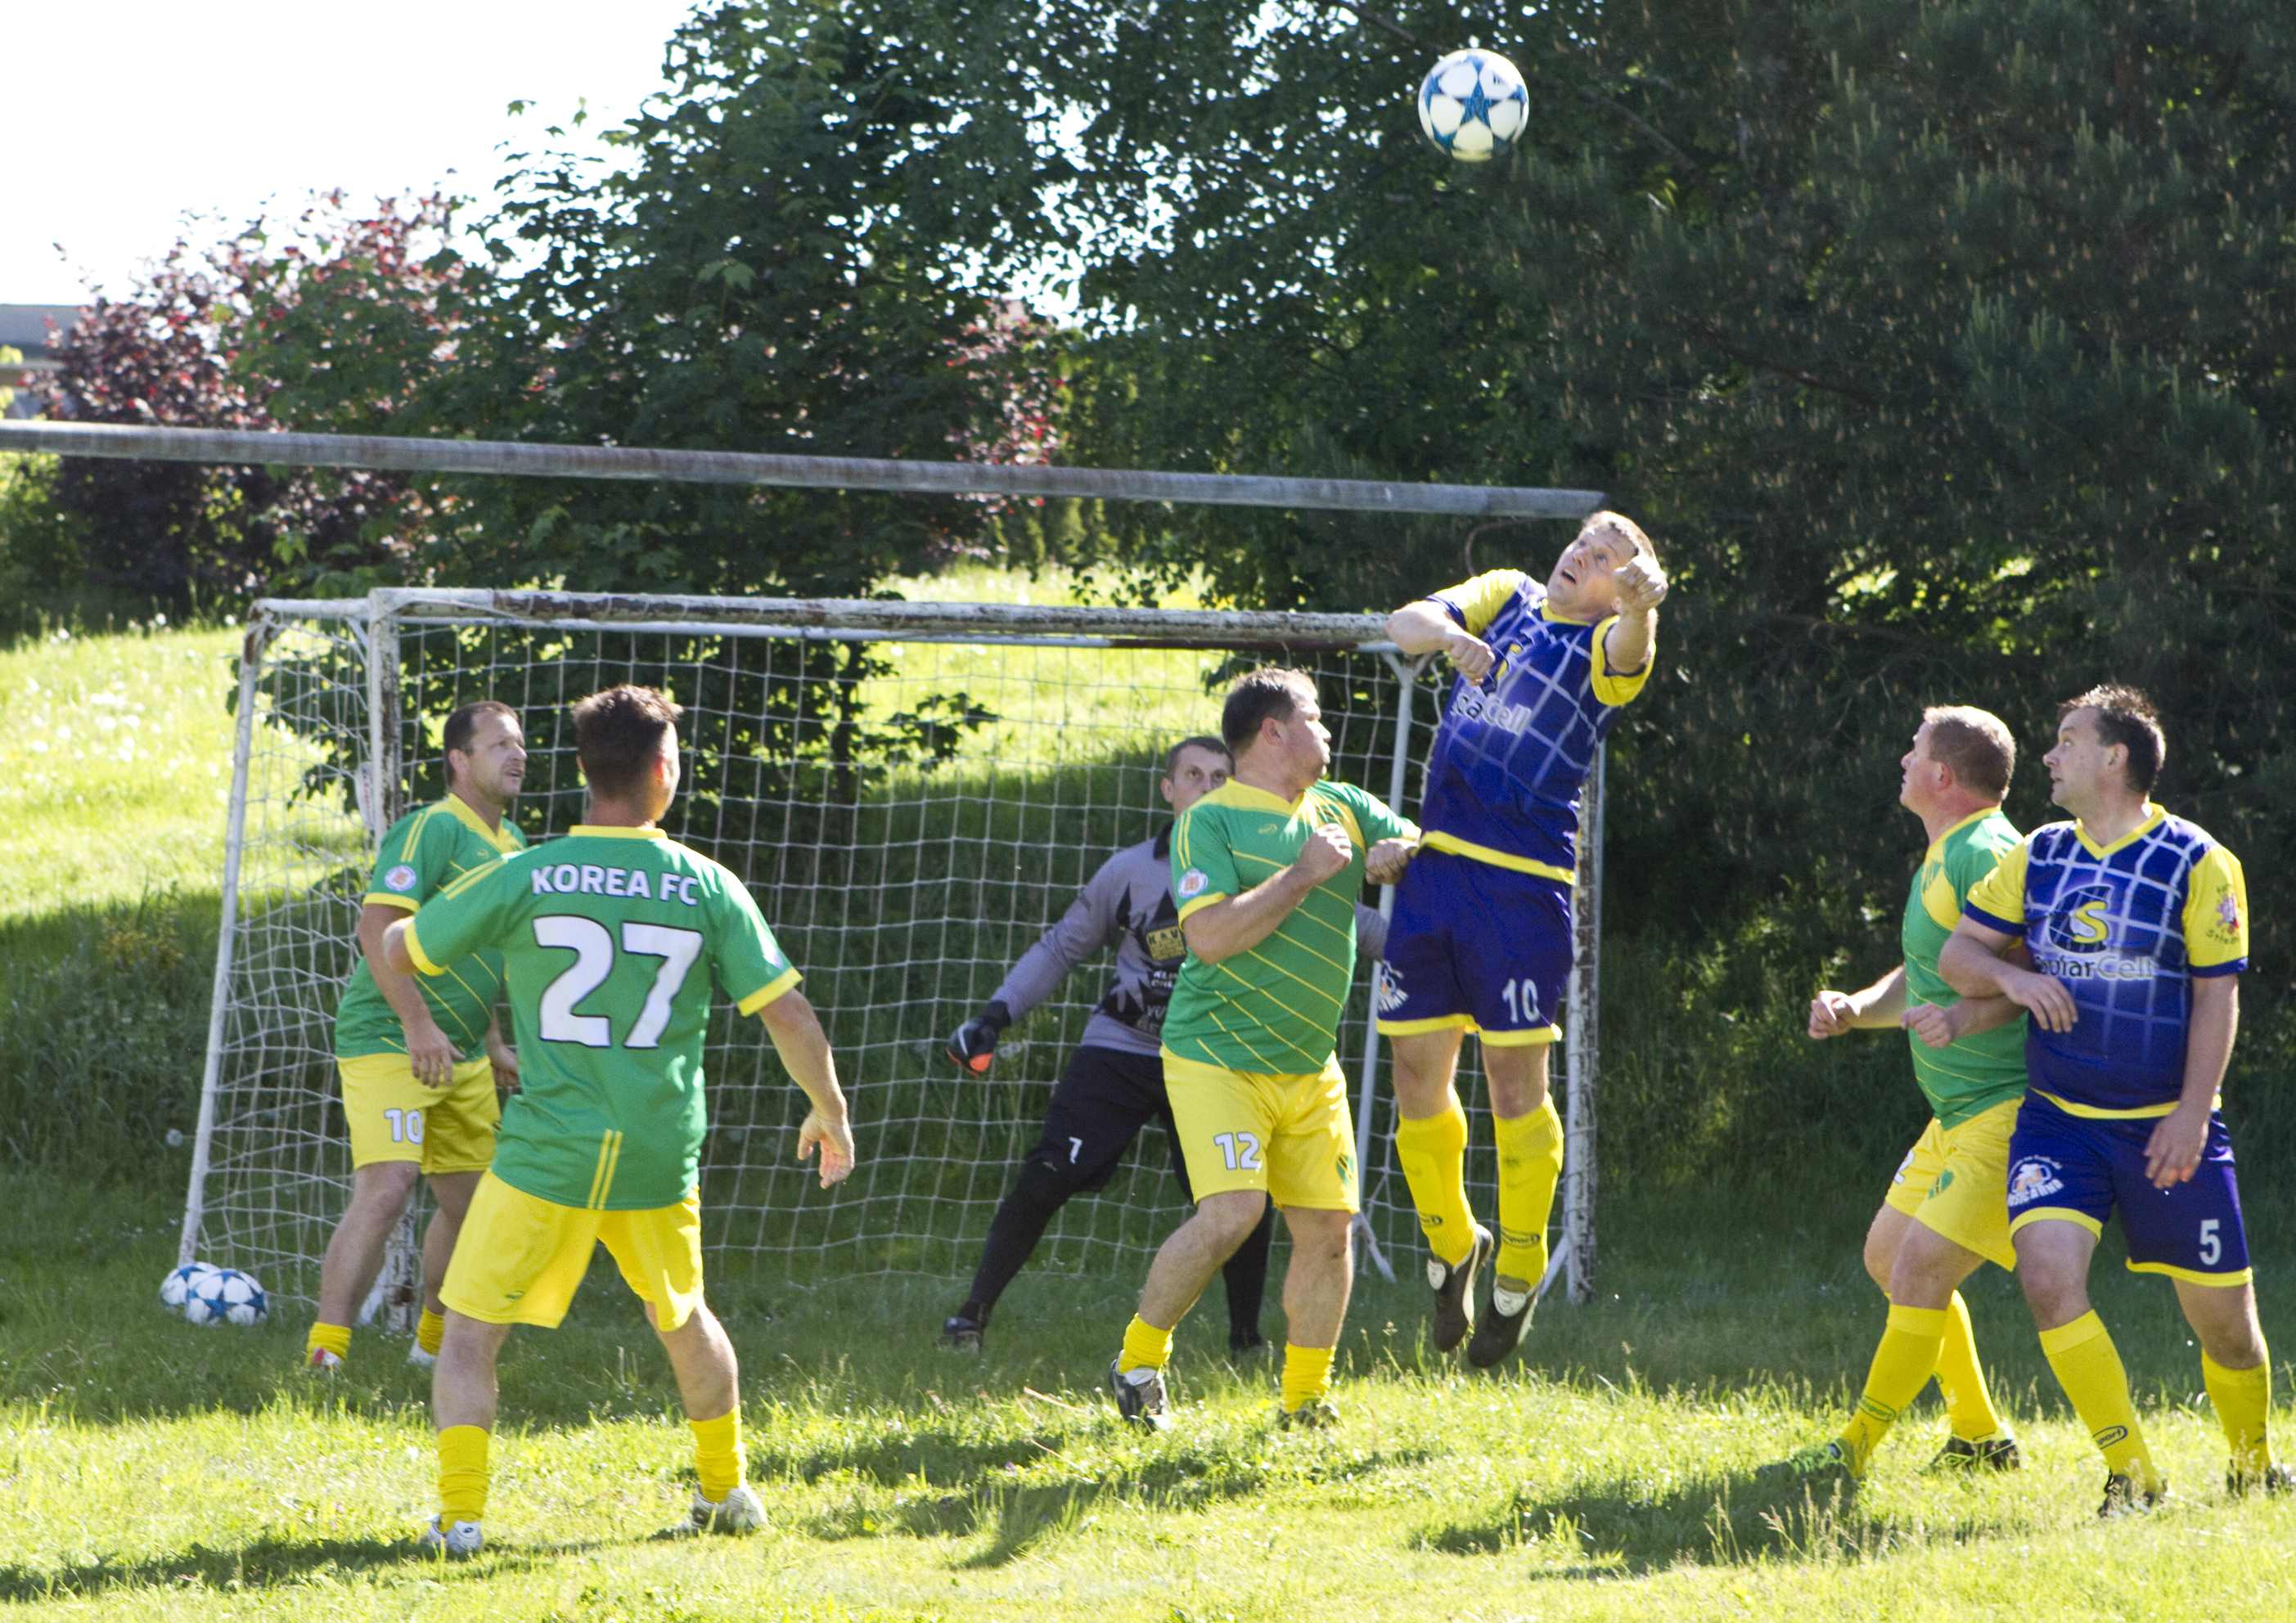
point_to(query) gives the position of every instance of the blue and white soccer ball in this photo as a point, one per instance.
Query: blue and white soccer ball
(177, 1288)
(1473, 105)
(225, 1295)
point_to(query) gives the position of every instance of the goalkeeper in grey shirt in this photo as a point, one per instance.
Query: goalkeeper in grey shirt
(1115, 1082)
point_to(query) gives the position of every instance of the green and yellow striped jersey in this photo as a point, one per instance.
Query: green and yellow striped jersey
(1274, 1007)
(420, 855)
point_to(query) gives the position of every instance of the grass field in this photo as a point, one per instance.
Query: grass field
(157, 1471)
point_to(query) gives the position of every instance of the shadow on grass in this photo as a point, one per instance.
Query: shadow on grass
(982, 1496)
(1719, 1521)
(266, 1562)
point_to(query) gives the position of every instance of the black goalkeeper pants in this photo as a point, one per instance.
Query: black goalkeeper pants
(1102, 1100)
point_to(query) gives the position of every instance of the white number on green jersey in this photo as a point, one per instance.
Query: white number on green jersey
(594, 961)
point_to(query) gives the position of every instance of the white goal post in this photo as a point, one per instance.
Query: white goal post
(914, 793)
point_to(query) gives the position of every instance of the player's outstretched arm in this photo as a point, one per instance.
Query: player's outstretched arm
(1971, 963)
(1092, 922)
(1833, 1013)
(795, 1028)
(1642, 587)
(1422, 628)
(1239, 923)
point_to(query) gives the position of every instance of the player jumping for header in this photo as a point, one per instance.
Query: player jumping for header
(1481, 937)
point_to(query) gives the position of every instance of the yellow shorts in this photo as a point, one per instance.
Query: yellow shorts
(1292, 1137)
(394, 1118)
(520, 1258)
(1954, 1181)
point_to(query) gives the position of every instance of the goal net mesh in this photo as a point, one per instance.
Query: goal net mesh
(911, 804)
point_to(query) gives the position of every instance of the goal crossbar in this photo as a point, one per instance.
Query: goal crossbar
(239, 447)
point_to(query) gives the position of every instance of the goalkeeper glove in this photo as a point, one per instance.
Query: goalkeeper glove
(974, 1043)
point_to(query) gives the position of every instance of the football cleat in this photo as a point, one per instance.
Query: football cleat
(959, 1333)
(2123, 1498)
(1248, 1344)
(1454, 1284)
(1993, 1453)
(1499, 1331)
(322, 1361)
(457, 1543)
(420, 1359)
(741, 1510)
(2271, 1479)
(1315, 1415)
(1819, 1462)
(1140, 1399)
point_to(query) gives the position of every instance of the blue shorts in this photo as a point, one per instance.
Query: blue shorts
(1475, 947)
(2080, 1170)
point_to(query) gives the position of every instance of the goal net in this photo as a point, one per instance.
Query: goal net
(914, 793)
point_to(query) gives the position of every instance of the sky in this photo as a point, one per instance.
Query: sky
(124, 116)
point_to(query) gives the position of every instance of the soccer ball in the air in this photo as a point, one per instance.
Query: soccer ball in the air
(175, 1289)
(1473, 105)
(225, 1295)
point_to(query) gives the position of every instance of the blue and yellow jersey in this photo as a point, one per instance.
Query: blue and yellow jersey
(1515, 749)
(2127, 928)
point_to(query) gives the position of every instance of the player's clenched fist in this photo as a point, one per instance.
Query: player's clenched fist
(1327, 851)
(1642, 585)
(1385, 863)
(834, 1140)
(1830, 1013)
(1469, 654)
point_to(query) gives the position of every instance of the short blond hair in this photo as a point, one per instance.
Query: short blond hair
(1976, 744)
(1625, 526)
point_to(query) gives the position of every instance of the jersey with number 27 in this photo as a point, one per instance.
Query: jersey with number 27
(610, 938)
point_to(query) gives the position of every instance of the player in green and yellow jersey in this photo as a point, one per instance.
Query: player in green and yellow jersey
(610, 938)
(1946, 1210)
(420, 1063)
(1266, 869)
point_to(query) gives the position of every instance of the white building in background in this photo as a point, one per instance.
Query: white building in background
(33, 329)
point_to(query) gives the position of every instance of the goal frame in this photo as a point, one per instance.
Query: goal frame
(374, 623)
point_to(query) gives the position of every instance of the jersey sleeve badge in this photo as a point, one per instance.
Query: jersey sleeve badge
(2227, 927)
(400, 879)
(1193, 885)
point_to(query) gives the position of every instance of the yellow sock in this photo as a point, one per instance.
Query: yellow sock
(335, 1338)
(429, 1331)
(1531, 1164)
(1968, 1403)
(462, 1474)
(1145, 1346)
(1306, 1375)
(1433, 1152)
(2242, 1398)
(1902, 1365)
(717, 1455)
(2088, 1367)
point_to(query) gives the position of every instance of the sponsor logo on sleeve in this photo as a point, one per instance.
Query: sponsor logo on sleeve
(1193, 885)
(2228, 924)
(400, 879)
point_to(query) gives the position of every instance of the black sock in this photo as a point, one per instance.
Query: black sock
(1020, 1220)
